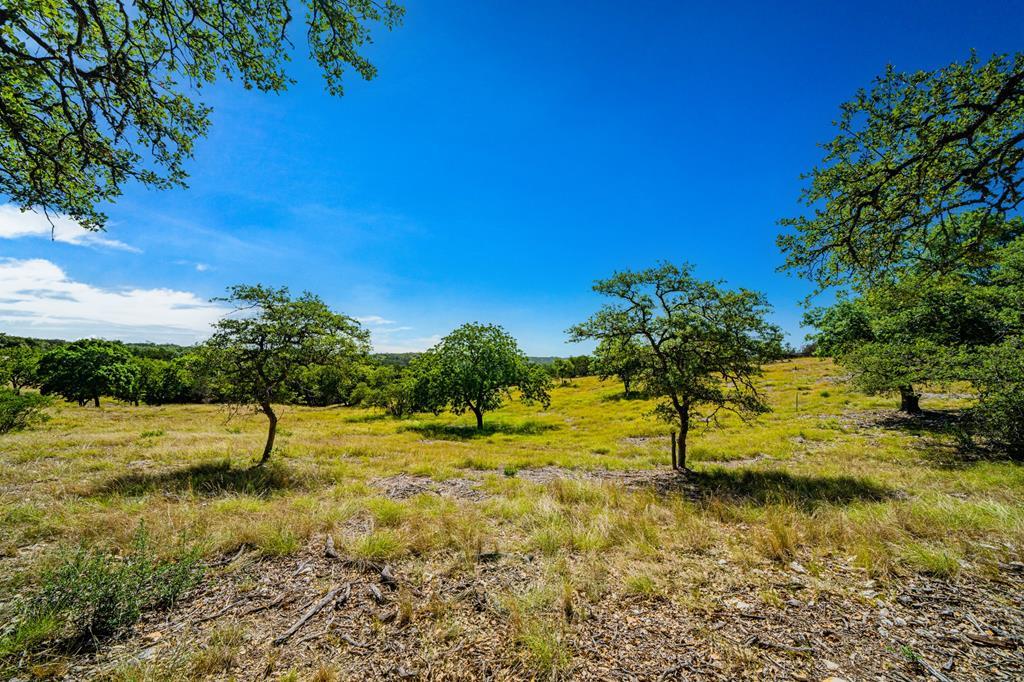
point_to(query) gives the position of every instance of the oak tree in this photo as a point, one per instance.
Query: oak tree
(474, 369)
(269, 338)
(913, 154)
(704, 344)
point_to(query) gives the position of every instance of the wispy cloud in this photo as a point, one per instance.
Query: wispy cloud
(15, 223)
(390, 337)
(37, 298)
(374, 321)
(202, 267)
(416, 344)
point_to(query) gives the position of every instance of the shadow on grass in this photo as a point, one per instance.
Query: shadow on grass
(928, 422)
(617, 397)
(210, 478)
(365, 418)
(468, 432)
(947, 437)
(780, 487)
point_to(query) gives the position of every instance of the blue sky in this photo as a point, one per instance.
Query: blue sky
(508, 154)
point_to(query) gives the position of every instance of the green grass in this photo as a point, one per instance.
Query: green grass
(810, 483)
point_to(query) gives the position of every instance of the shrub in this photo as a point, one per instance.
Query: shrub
(999, 378)
(19, 412)
(91, 595)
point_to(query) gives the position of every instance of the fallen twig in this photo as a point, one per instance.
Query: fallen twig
(986, 640)
(932, 670)
(310, 612)
(277, 602)
(227, 560)
(224, 610)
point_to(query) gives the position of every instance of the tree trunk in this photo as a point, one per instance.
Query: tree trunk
(96, 400)
(625, 385)
(479, 417)
(271, 432)
(910, 401)
(684, 427)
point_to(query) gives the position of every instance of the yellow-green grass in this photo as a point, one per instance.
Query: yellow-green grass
(806, 482)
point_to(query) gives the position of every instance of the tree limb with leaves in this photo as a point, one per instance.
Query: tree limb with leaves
(914, 153)
(95, 93)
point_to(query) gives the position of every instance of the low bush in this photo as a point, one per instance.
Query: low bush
(90, 595)
(999, 378)
(20, 411)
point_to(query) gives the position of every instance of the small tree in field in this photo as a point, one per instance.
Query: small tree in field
(474, 368)
(622, 358)
(703, 345)
(268, 339)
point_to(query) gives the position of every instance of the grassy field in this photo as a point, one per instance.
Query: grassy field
(573, 506)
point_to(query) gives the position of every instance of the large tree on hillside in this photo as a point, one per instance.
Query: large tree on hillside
(704, 345)
(86, 370)
(474, 369)
(271, 337)
(94, 93)
(913, 154)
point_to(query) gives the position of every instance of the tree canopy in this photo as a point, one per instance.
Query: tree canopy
(924, 326)
(86, 370)
(923, 170)
(270, 338)
(18, 366)
(474, 369)
(705, 345)
(94, 93)
(622, 358)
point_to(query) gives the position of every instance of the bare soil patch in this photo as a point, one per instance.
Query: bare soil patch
(404, 486)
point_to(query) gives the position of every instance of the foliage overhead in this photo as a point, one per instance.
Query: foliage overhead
(705, 345)
(94, 93)
(924, 169)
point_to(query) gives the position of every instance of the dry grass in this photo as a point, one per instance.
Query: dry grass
(813, 484)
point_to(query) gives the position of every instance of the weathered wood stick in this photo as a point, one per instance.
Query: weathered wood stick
(310, 612)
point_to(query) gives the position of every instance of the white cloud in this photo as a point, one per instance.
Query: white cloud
(389, 337)
(415, 344)
(374, 321)
(202, 267)
(37, 298)
(15, 223)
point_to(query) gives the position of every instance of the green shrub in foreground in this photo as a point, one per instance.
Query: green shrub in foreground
(90, 595)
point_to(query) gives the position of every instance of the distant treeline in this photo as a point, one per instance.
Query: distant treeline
(88, 370)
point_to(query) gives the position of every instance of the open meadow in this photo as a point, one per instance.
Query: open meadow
(829, 539)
